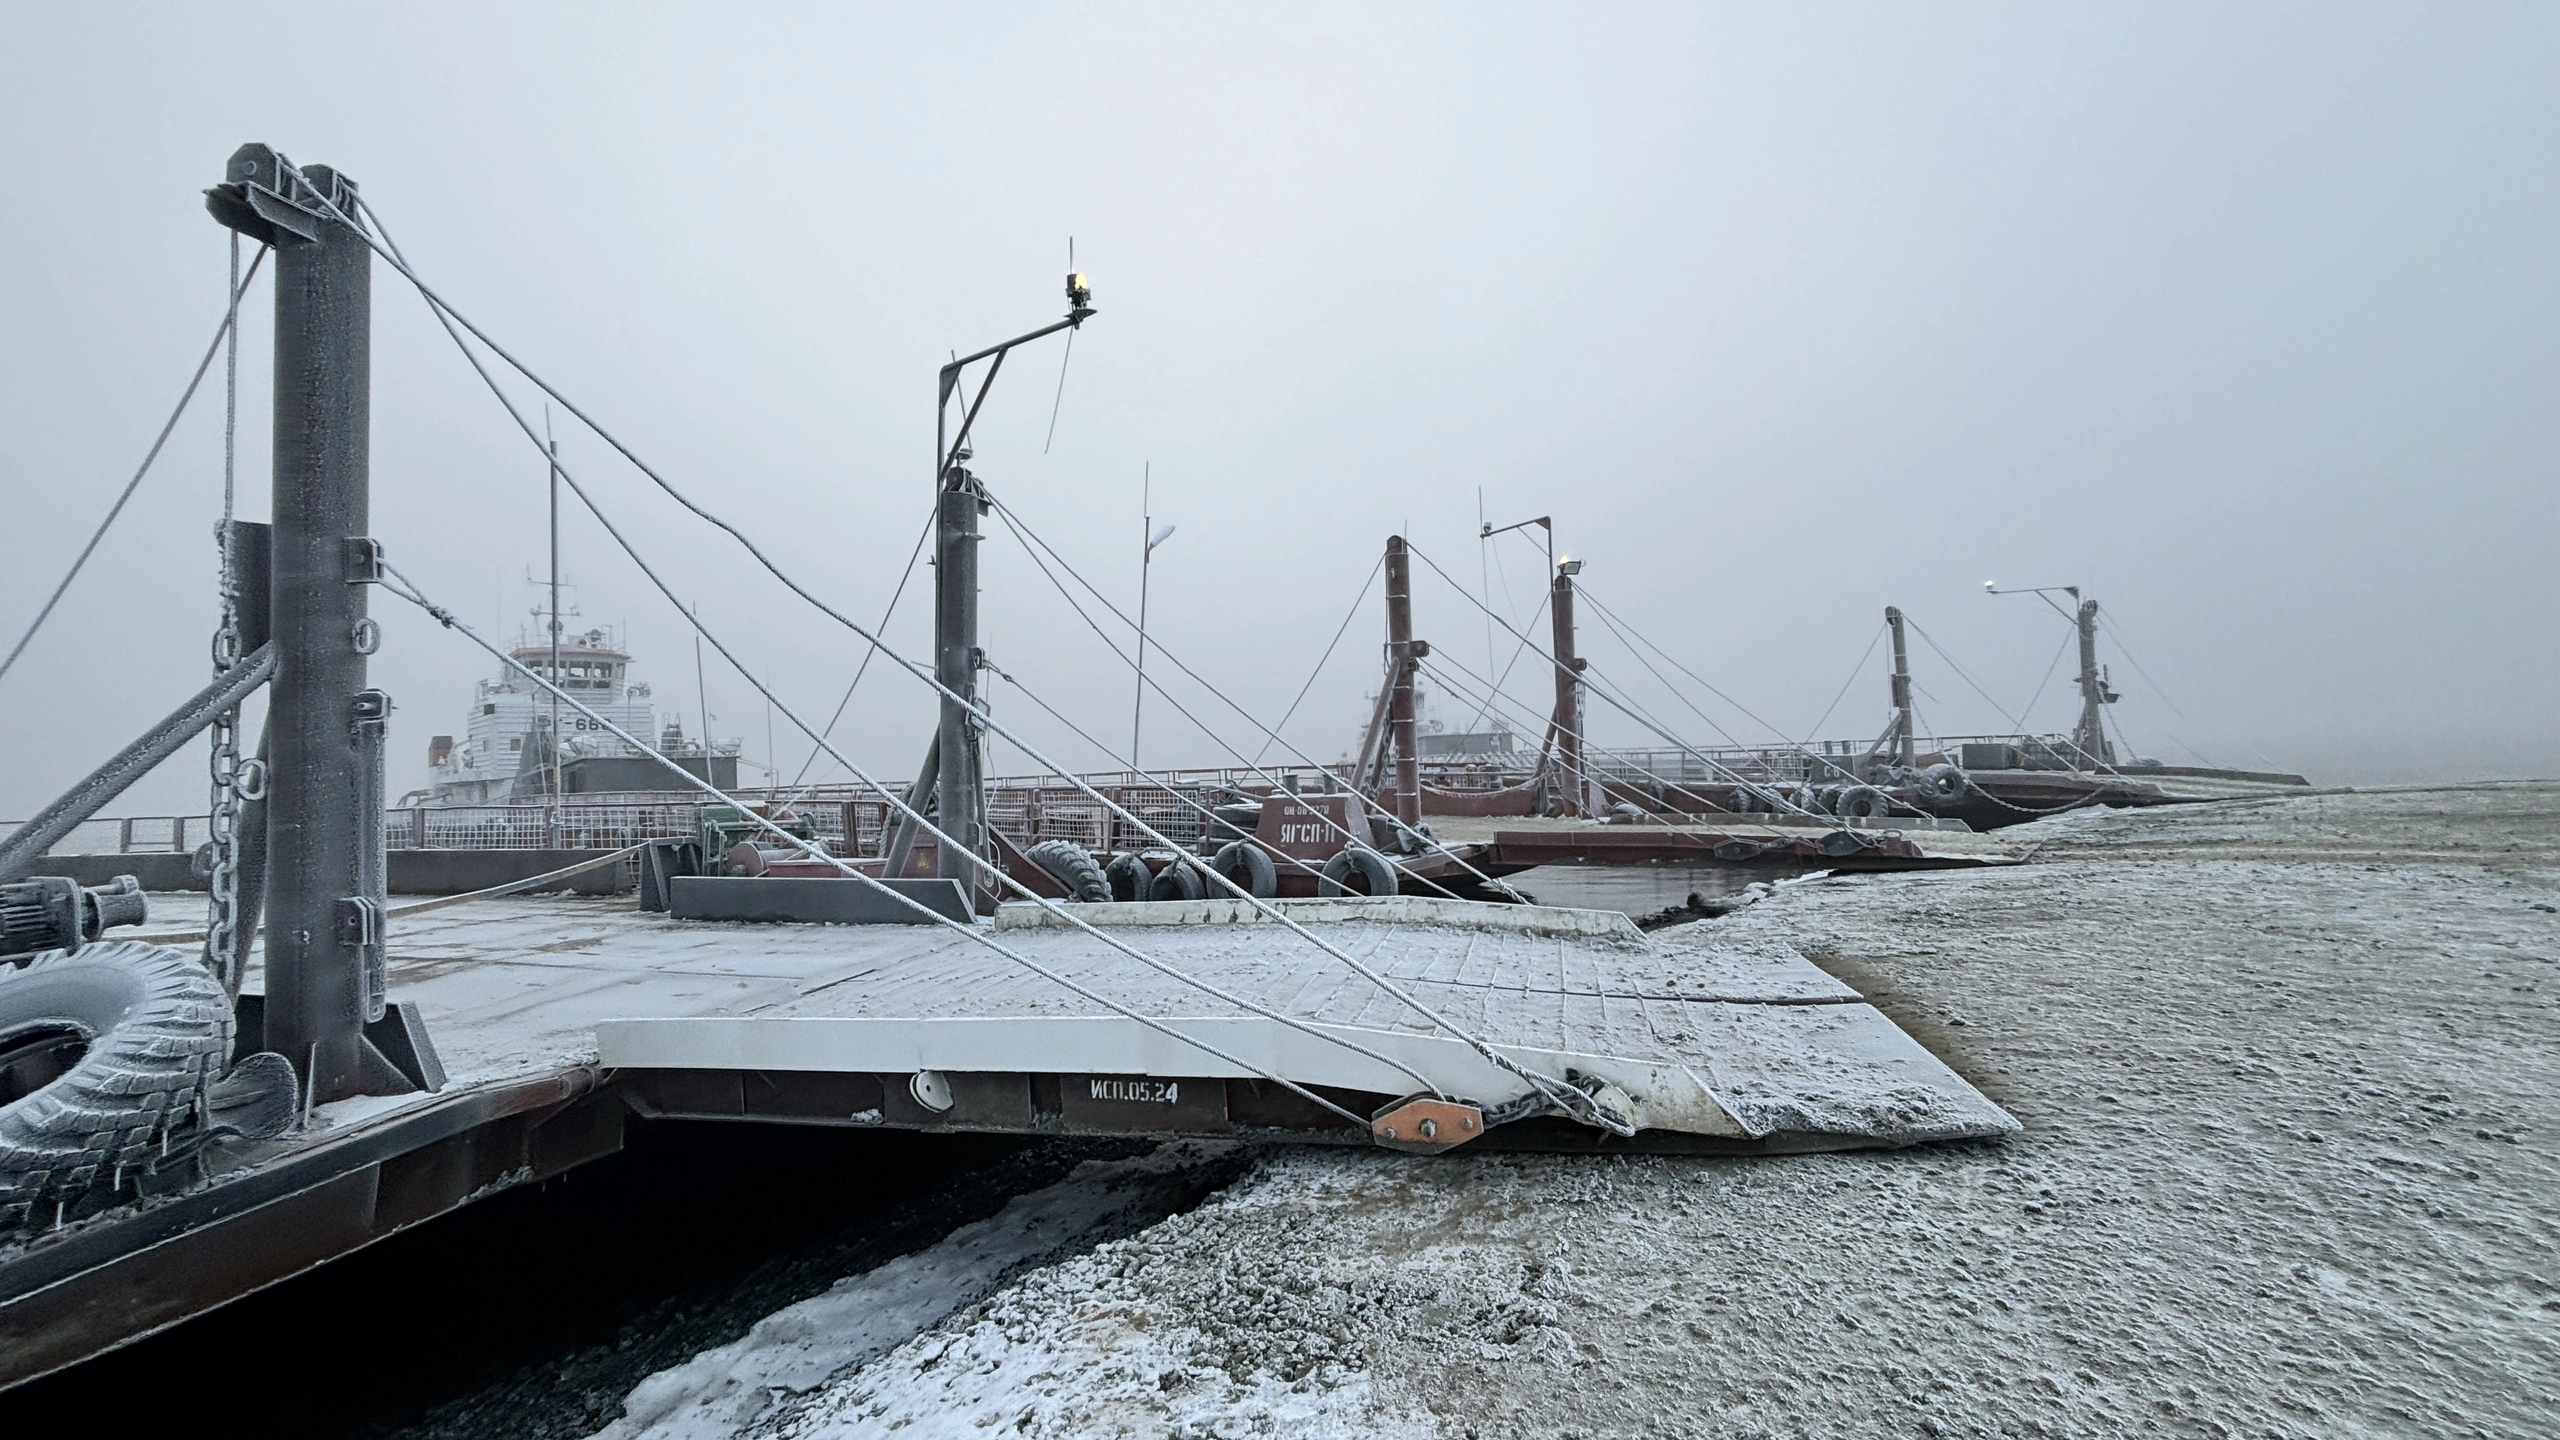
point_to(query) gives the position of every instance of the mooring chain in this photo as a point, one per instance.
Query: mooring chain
(222, 886)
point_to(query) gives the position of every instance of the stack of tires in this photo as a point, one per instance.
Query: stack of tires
(1170, 875)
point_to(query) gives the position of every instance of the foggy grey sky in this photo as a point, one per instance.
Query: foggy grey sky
(2242, 316)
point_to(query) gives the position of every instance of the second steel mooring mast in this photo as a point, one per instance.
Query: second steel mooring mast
(950, 774)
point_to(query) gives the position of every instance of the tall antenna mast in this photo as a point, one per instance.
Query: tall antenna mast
(552, 739)
(1146, 567)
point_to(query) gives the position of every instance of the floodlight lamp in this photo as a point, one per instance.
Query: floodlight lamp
(1163, 533)
(1991, 587)
(1567, 565)
(1079, 289)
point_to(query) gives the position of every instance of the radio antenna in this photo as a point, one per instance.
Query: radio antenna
(1061, 396)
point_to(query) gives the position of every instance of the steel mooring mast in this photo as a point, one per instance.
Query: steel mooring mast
(324, 883)
(1567, 724)
(1391, 722)
(2090, 735)
(1403, 652)
(1906, 748)
(950, 773)
(958, 800)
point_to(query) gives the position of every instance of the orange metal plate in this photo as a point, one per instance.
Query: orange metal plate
(1423, 1126)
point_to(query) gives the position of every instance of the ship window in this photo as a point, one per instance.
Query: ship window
(516, 744)
(490, 709)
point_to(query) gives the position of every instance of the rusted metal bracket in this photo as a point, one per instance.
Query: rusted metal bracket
(1422, 1125)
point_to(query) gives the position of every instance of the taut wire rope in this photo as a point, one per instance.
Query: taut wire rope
(1023, 532)
(994, 870)
(868, 651)
(1343, 629)
(408, 590)
(1636, 712)
(1574, 1102)
(230, 318)
(1580, 772)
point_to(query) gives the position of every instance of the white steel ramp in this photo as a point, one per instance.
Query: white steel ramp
(1709, 1047)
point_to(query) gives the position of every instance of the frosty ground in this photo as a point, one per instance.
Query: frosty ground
(2290, 1077)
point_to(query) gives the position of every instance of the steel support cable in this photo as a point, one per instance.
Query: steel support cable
(1633, 712)
(1172, 793)
(2049, 667)
(1863, 656)
(2019, 720)
(1962, 674)
(868, 652)
(994, 870)
(2115, 632)
(1573, 1101)
(1321, 661)
(1576, 772)
(1167, 787)
(1555, 664)
(1184, 711)
(1520, 649)
(1611, 623)
(1659, 727)
(1590, 747)
(1940, 651)
(408, 590)
(230, 318)
(1582, 772)
(1585, 774)
(1483, 547)
(1613, 620)
(1024, 533)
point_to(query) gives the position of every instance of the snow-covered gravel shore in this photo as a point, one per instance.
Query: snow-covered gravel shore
(2290, 1076)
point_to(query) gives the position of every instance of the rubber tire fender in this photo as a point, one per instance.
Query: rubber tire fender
(1128, 876)
(1944, 783)
(1073, 866)
(159, 1032)
(1248, 865)
(1865, 802)
(1179, 880)
(1372, 867)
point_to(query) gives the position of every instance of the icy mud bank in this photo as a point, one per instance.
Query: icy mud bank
(2291, 1083)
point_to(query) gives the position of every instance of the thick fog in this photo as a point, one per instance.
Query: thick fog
(2243, 318)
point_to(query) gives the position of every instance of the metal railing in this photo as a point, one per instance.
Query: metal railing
(854, 821)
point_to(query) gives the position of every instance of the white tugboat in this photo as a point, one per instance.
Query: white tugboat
(504, 756)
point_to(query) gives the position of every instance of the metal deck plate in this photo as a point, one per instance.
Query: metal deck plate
(1711, 1041)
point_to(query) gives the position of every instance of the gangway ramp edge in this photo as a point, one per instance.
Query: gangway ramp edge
(1731, 1046)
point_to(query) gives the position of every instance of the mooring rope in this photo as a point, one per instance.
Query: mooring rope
(1024, 532)
(408, 590)
(230, 315)
(1563, 1096)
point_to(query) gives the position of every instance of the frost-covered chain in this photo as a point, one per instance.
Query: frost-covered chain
(223, 885)
(222, 906)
